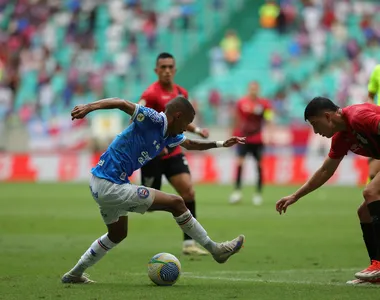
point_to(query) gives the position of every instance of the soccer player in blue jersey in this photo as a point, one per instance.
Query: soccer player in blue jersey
(148, 134)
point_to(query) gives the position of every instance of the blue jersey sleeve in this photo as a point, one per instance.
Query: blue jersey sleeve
(146, 118)
(175, 141)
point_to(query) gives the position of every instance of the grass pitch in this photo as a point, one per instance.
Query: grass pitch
(309, 253)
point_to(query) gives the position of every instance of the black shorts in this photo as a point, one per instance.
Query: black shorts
(151, 173)
(256, 150)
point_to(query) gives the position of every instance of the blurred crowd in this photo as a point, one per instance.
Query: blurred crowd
(354, 28)
(54, 54)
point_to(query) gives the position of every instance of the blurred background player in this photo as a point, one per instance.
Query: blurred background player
(172, 162)
(251, 113)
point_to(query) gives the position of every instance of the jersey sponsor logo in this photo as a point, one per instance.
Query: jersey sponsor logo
(154, 116)
(101, 163)
(123, 176)
(140, 117)
(355, 147)
(361, 139)
(157, 145)
(143, 192)
(144, 158)
(165, 97)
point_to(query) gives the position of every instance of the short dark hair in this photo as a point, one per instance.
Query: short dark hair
(180, 104)
(319, 105)
(164, 55)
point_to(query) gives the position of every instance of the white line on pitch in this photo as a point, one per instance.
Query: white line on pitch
(278, 271)
(265, 280)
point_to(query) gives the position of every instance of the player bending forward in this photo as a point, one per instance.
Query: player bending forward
(141, 141)
(355, 128)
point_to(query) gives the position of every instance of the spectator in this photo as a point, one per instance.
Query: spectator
(268, 14)
(217, 62)
(150, 30)
(231, 46)
(276, 67)
(281, 22)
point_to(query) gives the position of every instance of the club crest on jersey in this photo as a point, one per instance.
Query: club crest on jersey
(140, 117)
(143, 192)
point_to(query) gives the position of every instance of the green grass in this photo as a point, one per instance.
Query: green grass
(308, 253)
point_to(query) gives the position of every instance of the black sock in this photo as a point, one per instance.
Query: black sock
(191, 207)
(259, 185)
(374, 210)
(369, 239)
(238, 178)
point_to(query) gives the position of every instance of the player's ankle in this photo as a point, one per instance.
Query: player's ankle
(77, 271)
(211, 246)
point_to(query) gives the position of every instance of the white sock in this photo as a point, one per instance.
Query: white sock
(194, 229)
(97, 250)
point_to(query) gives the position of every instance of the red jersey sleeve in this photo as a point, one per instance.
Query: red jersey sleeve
(339, 146)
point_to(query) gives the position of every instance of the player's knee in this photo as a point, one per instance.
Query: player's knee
(372, 175)
(363, 214)
(117, 235)
(240, 161)
(371, 194)
(178, 205)
(188, 195)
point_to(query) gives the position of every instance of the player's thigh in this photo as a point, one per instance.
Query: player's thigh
(363, 213)
(116, 200)
(151, 174)
(241, 152)
(374, 167)
(371, 192)
(257, 151)
(168, 202)
(176, 170)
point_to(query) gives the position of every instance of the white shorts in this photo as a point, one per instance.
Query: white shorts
(116, 200)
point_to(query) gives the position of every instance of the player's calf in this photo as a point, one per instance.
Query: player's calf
(117, 231)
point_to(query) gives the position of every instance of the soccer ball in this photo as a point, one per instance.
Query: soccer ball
(164, 269)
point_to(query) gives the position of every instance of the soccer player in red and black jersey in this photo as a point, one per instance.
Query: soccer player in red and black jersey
(251, 113)
(172, 163)
(354, 128)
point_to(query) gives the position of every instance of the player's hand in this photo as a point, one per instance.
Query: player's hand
(233, 141)
(80, 111)
(204, 133)
(164, 152)
(283, 203)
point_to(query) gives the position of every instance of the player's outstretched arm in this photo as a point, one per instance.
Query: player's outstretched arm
(202, 132)
(202, 145)
(319, 178)
(80, 111)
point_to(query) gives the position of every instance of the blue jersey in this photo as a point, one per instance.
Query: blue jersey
(144, 139)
